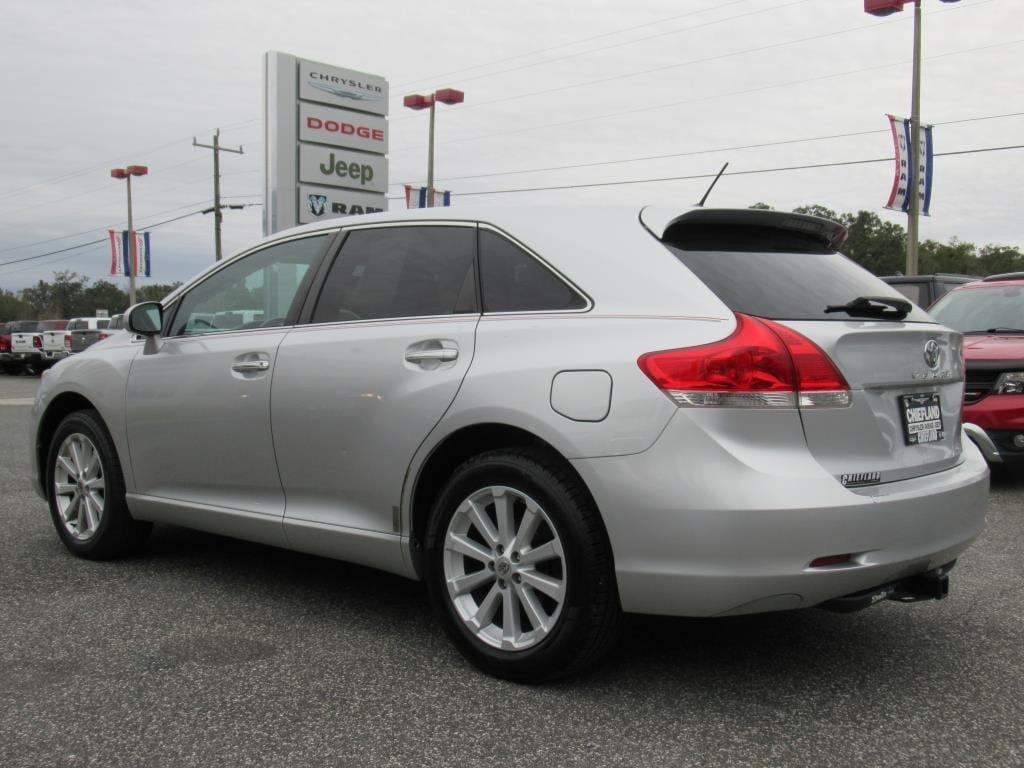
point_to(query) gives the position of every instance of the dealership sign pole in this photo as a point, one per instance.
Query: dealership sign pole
(326, 142)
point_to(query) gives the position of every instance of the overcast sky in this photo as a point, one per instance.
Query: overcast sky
(88, 86)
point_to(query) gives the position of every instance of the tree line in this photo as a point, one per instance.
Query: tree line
(881, 247)
(71, 295)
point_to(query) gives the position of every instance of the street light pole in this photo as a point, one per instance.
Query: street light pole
(884, 8)
(914, 215)
(418, 101)
(131, 244)
(132, 254)
(430, 156)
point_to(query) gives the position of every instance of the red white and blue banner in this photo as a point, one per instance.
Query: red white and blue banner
(416, 197)
(129, 253)
(908, 178)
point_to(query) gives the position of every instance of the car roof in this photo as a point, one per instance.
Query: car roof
(982, 284)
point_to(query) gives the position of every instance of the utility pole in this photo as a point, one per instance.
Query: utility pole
(217, 215)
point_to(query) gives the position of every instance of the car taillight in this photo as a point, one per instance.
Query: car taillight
(103, 336)
(5, 344)
(37, 341)
(67, 339)
(761, 365)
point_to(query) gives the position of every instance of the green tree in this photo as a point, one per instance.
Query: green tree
(955, 256)
(13, 308)
(104, 295)
(997, 259)
(154, 292)
(61, 298)
(878, 246)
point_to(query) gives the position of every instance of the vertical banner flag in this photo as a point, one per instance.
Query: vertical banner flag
(416, 197)
(907, 178)
(125, 250)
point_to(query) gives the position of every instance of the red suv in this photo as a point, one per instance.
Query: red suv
(990, 314)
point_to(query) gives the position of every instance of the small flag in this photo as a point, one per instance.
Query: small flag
(907, 178)
(416, 197)
(127, 251)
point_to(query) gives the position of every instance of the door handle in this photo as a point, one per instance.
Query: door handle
(250, 366)
(443, 355)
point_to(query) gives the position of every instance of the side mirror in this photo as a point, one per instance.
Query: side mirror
(145, 319)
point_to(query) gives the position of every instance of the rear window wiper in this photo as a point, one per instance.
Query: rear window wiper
(996, 330)
(875, 307)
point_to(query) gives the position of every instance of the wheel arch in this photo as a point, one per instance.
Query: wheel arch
(62, 406)
(456, 448)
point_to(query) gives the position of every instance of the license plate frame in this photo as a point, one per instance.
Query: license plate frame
(922, 428)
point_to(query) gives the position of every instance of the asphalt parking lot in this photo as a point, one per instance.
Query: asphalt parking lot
(212, 652)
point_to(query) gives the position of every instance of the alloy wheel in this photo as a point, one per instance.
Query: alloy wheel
(79, 486)
(504, 568)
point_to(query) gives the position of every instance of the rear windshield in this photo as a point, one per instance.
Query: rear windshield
(102, 323)
(775, 274)
(116, 323)
(982, 309)
(25, 326)
(52, 325)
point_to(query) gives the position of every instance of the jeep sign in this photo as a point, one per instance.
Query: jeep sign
(326, 142)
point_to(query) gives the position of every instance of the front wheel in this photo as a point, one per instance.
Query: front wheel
(519, 568)
(86, 491)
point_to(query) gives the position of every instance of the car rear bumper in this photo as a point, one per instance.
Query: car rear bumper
(699, 529)
(50, 354)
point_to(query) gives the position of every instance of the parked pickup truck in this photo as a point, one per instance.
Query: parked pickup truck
(56, 342)
(26, 345)
(86, 331)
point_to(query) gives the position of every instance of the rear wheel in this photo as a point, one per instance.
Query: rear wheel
(86, 491)
(519, 568)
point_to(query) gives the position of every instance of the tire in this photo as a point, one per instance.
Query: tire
(100, 526)
(554, 589)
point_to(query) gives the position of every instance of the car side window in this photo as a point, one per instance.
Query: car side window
(390, 272)
(256, 291)
(514, 281)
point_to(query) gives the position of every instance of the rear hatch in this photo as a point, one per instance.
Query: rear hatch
(904, 371)
(22, 335)
(54, 335)
(82, 336)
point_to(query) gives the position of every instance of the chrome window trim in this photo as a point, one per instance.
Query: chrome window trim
(176, 297)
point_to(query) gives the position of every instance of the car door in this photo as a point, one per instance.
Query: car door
(198, 405)
(357, 389)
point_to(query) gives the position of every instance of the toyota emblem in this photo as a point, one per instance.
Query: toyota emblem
(932, 352)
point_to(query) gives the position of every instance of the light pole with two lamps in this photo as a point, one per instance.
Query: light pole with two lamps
(884, 8)
(126, 174)
(418, 101)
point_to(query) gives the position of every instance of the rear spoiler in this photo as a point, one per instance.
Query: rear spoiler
(658, 220)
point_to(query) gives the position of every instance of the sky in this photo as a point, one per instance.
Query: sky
(623, 92)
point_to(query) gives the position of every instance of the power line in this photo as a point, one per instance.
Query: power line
(760, 145)
(741, 92)
(703, 60)
(103, 239)
(105, 163)
(568, 44)
(627, 182)
(770, 9)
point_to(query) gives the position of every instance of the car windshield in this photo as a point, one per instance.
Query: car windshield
(974, 310)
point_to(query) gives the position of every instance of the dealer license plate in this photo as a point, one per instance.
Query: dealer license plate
(922, 418)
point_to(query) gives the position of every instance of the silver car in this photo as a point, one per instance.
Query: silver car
(551, 415)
